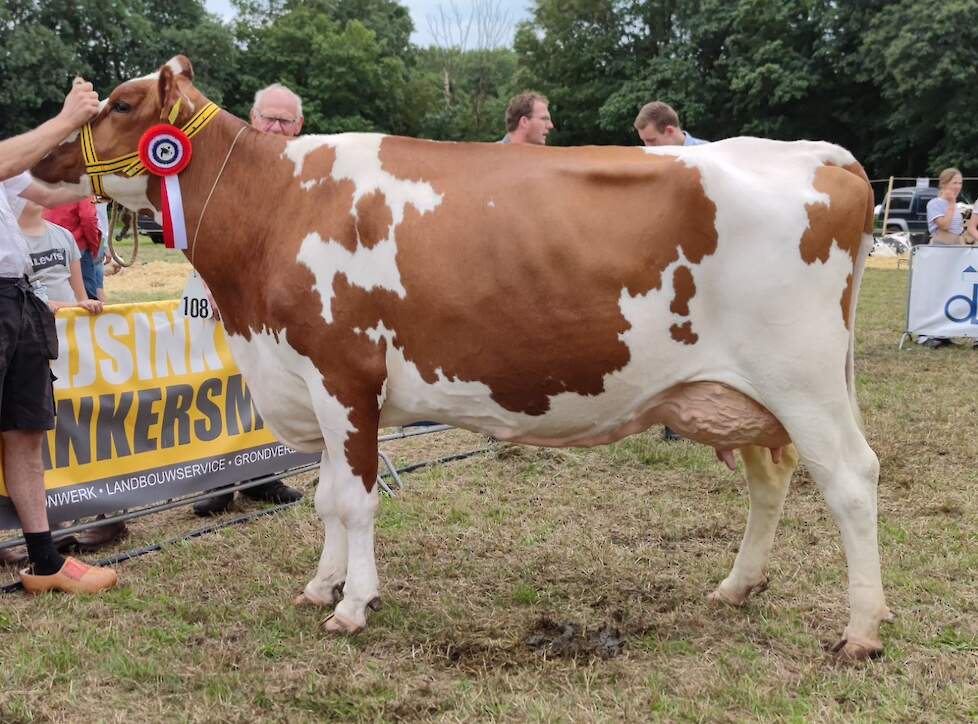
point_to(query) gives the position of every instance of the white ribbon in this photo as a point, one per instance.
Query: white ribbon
(176, 211)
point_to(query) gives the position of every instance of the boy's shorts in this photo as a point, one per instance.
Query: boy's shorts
(28, 343)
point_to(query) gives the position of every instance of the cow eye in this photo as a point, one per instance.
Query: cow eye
(121, 107)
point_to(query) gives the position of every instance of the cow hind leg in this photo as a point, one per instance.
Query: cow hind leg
(846, 470)
(326, 588)
(767, 486)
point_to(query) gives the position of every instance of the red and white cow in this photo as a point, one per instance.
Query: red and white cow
(550, 296)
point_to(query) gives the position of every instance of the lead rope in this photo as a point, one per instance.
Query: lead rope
(200, 221)
(133, 228)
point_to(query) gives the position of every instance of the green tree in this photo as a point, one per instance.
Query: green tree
(467, 103)
(918, 53)
(36, 66)
(875, 75)
(349, 76)
(757, 67)
(389, 20)
(45, 44)
(673, 51)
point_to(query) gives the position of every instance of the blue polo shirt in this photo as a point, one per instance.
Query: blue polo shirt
(691, 141)
(936, 208)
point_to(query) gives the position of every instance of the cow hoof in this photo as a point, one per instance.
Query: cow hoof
(339, 624)
(853, 651)
(722, 598)
(305, 599)
(727, 598)
(375, 604)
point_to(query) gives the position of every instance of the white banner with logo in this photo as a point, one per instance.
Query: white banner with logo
(943, 298)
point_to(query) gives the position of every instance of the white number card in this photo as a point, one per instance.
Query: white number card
(196, 302)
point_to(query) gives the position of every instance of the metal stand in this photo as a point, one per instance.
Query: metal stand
(392, 471)
(906, 333)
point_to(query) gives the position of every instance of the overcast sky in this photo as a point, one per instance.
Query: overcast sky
(516, 11)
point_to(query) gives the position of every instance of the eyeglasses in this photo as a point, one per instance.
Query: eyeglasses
(272, 120)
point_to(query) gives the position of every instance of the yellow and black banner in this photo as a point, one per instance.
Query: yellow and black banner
(150, 406)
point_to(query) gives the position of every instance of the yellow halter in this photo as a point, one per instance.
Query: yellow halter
(130, 165)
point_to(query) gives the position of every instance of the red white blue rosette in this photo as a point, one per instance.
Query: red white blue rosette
(165, 151)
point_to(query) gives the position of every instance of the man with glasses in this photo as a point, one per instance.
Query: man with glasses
(276, 110)
(528, 119)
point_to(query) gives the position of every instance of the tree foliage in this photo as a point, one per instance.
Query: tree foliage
(576, 52)
(46, 43)
(343, 69)
(467, 92)
(926, 73)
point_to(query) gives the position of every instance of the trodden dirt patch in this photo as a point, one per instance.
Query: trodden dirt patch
(572, 640)
(154, 279)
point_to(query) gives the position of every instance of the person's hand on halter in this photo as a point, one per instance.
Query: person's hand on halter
(81, 104)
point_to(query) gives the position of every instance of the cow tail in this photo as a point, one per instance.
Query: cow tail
(857, 277)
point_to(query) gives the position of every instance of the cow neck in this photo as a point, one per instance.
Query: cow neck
(231, 232)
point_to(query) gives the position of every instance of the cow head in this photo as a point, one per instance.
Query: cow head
(131, 109)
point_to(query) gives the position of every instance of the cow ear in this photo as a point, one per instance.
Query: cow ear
(167, 88)
(180, 65)
(174, 103)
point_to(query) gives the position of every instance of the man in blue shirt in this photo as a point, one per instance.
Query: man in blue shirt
(658, 125)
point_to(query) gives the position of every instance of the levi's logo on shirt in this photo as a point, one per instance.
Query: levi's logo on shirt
(48, 259)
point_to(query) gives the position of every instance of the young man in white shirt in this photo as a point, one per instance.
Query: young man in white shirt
(28, 341)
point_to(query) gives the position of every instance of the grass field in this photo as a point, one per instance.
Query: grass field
(159, 273)
(481, 558)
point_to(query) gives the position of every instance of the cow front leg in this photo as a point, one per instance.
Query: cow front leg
(767, 486)
(326, 588)
(355, 508)
(349, 505)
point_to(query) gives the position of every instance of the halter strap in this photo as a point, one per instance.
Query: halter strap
(129, 164)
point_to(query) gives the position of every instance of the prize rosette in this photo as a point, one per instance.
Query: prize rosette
(165, 151)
